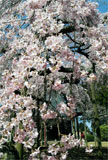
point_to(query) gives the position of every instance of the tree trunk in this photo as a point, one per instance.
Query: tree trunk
(45, 134)
(96, 116)
(45, 98)
(73, 127)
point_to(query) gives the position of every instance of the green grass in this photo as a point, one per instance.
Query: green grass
(104, 144)
(53, 142)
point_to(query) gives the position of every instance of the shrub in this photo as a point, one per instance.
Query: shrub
(104, 132)
(90, 137)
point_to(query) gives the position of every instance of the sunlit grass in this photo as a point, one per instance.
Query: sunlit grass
(104, 144)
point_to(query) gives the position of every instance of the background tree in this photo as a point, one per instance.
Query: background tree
(104, 131)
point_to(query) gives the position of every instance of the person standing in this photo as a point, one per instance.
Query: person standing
(82, 139)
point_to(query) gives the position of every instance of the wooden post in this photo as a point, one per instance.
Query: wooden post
(58, 128)
(77, 128)
(42, 134)
(85, 132)
(38, 124)
(73, 127)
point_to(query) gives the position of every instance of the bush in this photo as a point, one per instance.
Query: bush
(104, 132)
(90, 137)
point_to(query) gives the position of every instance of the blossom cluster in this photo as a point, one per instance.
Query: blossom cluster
(58, 151)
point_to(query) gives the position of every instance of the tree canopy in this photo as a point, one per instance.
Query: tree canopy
(50, 49)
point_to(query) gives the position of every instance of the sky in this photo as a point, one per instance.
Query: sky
(103, 5)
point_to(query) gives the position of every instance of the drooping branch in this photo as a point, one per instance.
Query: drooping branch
(62, 69)
(79, 49)
(73, 40)
(68, 29)
(7, 4)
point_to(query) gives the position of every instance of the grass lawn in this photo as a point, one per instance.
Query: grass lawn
(104, 144)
